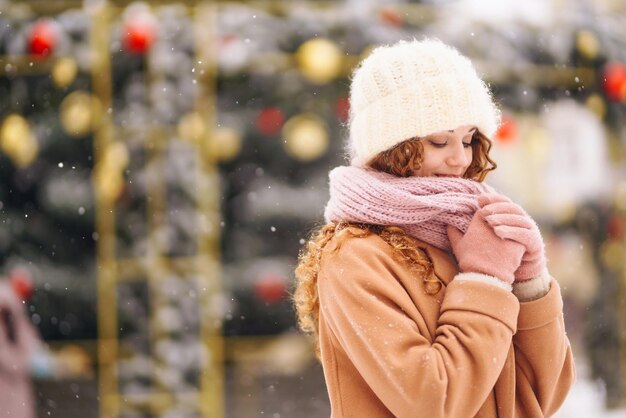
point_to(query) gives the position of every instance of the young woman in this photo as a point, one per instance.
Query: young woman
(427, 292)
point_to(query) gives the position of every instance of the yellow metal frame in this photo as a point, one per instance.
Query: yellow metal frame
(209, 399)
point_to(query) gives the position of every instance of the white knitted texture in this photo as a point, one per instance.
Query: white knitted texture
(412, 89)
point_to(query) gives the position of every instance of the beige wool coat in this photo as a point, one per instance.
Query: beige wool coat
(389, 349)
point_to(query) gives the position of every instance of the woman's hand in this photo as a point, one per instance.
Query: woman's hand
(509, 221)
(480, 250)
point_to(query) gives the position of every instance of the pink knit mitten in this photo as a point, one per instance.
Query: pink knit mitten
(510, 221)
(480, 250)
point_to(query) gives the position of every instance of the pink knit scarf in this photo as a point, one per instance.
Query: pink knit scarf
(421, 206)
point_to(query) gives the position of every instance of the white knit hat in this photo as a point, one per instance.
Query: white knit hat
(414, 88)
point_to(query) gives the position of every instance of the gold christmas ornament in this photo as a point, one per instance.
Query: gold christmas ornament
(305, 137)
(223, 145)
(18, 141)
(319, 60)
(27, 153)
(192, 127)
(612, 254)
(75, 360)
(64, 71)
(620, 197)
(80, 113)
(14, 129)
(587, 44)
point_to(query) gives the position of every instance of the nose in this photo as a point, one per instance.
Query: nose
(458, 156)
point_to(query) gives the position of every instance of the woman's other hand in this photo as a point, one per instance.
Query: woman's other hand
(480, 250)
(509, 221)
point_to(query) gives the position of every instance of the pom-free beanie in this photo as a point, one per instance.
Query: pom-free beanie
(412, 89)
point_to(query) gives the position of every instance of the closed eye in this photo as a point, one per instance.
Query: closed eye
(443, 144)
(438, 144)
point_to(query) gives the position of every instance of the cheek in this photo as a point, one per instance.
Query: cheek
(429, 167)
(433, 160)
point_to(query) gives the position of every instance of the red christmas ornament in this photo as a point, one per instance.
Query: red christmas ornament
(270, 121)
(616, 227)
(507, 131)
(22, 283)
(342, 108)
(615, 81)
(139, 34)
(270, 288)
(42, 38)
(390, 16)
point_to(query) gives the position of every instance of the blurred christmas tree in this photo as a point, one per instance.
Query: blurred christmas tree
(281, 103)
(47, 200)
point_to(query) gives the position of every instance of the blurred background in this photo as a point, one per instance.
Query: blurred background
(162, 163)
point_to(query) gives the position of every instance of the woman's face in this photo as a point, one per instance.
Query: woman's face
(447, 153)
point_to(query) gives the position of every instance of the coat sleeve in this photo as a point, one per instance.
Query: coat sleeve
(543, 357)
(372, 316)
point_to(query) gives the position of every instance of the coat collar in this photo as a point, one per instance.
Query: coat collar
(444, 263)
